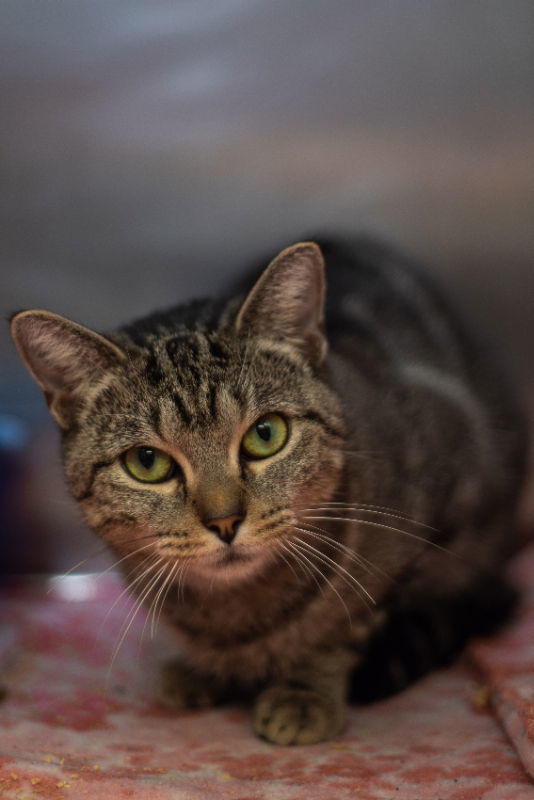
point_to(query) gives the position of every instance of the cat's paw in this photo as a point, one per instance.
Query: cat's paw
(180, 688)
(296, 716)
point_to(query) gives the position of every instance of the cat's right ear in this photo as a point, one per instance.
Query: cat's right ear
(287, 302)
(66, 359)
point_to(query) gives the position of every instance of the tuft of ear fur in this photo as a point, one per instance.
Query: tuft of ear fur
(66, 359)
(287, 302)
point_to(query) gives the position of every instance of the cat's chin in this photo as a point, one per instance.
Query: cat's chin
(232, 564)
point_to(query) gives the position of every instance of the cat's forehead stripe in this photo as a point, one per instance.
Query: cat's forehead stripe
(185, 413)
(194, 369)
(155, 419)
(153, 369)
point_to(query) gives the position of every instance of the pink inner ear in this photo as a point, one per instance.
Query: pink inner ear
(61, 354)
(64, 358)
(287, 301)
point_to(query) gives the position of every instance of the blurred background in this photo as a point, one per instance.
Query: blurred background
(150, 149)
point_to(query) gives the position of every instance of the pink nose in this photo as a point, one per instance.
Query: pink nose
(225, 527)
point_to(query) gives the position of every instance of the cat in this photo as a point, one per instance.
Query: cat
(316, 488)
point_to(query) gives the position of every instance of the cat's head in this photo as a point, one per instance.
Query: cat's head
(197, 443)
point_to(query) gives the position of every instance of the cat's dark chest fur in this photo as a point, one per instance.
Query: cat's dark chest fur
(305, 485)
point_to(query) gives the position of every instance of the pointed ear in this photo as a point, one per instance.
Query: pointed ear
(66, 359)
(287, 302)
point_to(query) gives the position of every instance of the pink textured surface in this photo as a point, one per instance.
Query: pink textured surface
(72, 726)
(507, 664)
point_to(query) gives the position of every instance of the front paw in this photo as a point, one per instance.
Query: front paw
(296, 716)
(180, 688)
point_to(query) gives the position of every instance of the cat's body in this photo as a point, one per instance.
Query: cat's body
(384, 488)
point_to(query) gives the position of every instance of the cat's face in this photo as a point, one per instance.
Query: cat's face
(215, 460)
(198, 446)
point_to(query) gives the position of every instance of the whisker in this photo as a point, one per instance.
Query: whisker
(369, 455)
(286, 561)
(151, 613)
(301, 555)
(178, 571)
(309, 573)
(389, 528)
(127, 624)
(338, 568)
(99, 552)
(152, 566)
(141, 595)
(371, 509)
(160, 596)
(307, 567)
(181, 583)
(120, 560)
(79, 564)
(349, 552)
(342, 577)
(363, 562)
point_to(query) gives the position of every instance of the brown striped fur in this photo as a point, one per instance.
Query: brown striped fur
(393, 498)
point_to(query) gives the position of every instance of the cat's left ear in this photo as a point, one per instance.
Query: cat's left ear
(66, 359)
(287, 302)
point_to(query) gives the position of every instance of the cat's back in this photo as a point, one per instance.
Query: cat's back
(389, 318)
(406, 366)
(381, 300)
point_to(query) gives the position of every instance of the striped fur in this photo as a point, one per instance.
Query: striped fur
(393, 496)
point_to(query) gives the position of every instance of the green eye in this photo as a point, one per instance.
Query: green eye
(148, 465)
(266, 437)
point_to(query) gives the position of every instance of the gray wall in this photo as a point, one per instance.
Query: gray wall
(149, 148)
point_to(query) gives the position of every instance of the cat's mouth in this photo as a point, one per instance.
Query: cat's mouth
(234, 562)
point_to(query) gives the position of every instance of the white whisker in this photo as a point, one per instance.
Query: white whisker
(306, 565)
(386, 527)
(103, 549)
(301, 555)
(363, 562)
(341, 571)
(148, 569)
(181, 582)
(120, 560)
(370, 509)
(127, 624)
(160, 598)
(286, 561)
(130, 617)
(151, 612)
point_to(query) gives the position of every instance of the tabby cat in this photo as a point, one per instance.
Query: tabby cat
(317, 491)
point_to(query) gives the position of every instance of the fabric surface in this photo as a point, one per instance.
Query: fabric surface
(78, 718)
(507, 664)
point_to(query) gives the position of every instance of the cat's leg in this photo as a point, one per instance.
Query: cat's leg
(181, 688)
(308, 705)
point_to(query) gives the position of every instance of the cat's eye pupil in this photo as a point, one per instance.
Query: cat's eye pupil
(148, 464)
(264, 430)
(265, 437)
(146, 456)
